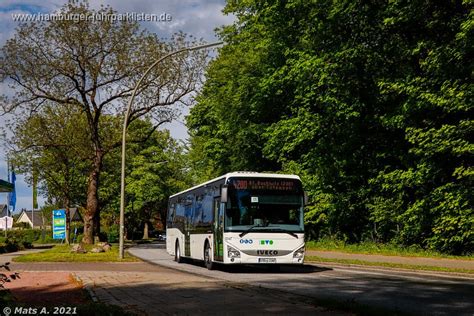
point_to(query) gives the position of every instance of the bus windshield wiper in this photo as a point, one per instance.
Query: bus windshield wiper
(242, 234)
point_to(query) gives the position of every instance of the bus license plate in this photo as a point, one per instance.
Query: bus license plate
(267, 260)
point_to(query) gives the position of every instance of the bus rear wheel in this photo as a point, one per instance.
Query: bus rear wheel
(208, 258)
(177, 253)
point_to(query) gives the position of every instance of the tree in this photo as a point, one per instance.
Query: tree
(303, 98)
(228, 122)
(53, 145)
(158, 171)
(432, 185)
(369, 102)
(93, 65)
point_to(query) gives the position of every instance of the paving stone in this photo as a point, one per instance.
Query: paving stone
(157, 290)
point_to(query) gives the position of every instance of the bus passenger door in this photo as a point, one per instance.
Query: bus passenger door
(188, 213)
(218, 230)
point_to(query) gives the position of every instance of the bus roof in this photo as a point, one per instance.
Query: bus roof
(246, 174)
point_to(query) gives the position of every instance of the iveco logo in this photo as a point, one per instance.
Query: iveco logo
(267, 252)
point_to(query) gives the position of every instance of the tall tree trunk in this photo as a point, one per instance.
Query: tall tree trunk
(163, 214)
(96, 225)
(92, 212)
(145, 231)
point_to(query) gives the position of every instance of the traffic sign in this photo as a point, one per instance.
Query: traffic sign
(59, 224)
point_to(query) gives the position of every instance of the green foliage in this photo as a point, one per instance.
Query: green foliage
(10, 246)
(155, 170)
(6, 276)
(374, 248)
(24, 238)
(55, 143)
(113, 234)
(370, 103)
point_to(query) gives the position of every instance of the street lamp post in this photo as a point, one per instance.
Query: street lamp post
(124, 134)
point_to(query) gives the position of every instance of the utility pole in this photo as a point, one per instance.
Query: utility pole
(124, 134)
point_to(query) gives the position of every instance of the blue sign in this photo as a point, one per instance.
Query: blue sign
(59, 224)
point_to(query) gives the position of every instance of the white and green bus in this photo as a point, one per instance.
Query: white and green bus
(238, 218)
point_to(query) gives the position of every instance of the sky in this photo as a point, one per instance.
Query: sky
(195, 17)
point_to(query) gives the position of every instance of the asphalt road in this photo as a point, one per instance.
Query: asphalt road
(382, 289)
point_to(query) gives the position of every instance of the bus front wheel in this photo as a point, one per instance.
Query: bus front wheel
(177, 253)
(208, 257)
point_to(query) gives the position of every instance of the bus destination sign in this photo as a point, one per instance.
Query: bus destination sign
(277, 185)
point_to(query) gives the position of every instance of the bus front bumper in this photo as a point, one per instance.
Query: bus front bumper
(295, 257)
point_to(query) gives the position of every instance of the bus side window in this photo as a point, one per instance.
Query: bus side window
(171, 213)
(207, 209)
(198, 211)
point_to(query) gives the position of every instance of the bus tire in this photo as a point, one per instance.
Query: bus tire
(177, 253)
(207, 257)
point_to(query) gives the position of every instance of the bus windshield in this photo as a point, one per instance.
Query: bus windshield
(264, 205)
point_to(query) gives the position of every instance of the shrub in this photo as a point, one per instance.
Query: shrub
(25, 237)
(10, 246)
(77, 239)
(5, 277)
(113, 234)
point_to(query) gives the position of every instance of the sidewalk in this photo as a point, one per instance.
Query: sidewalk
(37, 286)
(147, 289)
(8, 257)
(154, 289)
(418, 261)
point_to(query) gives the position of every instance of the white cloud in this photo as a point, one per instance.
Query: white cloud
(10, 7)
(198, 18)
(6, 4)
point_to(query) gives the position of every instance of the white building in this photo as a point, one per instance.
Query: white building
(33, 218)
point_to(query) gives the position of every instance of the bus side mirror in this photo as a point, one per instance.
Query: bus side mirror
(306, 198)
(224, 194)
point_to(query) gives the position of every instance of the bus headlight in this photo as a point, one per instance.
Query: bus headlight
(299, 253)
(232, 252)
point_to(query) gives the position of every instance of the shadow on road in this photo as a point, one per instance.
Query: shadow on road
(259, 269)
(272, 269)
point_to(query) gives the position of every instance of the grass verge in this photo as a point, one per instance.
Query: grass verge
(62, 253)
(387, 265)
(372, 248)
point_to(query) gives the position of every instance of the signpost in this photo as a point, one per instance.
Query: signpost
(6, 223)
(59, 224)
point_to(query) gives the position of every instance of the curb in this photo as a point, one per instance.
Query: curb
(87, 287)
(374, 268)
